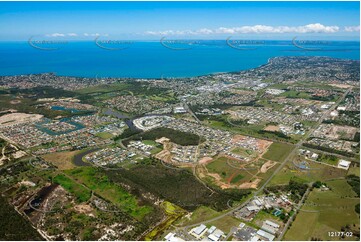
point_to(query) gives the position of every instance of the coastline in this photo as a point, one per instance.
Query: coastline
(169, 78)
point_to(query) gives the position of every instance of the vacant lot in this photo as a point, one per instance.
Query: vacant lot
(278, 151)
(328, 159)
(105, 135)
(98, 182)
(304, 222)
(317, 172)
(262, 216)
(62, 160)
(246, 153)
(295, 94)
(219, 169)
(325, 211)
(81, 193)
(225, 223)
(354, 171)
(178, 186)
(200, 214)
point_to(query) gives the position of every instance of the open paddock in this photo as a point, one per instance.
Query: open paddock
(326, 211)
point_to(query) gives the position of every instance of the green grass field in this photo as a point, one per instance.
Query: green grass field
(237, 178)
(278, 151)
(150, 142)
(81, 193)
(328, 159)
(244, 152)
(104, 135)
(104, 88)
(342, 188)
(325, 211)
(295, 94)
(304, 222)
(225, 223)
(228, 173)
(266, 175)
(200, 214)
(100, 184)
(354, 171)
(262, 216)
(318, 172)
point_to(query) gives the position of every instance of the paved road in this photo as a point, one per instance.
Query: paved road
(334, 154)
(287, 159)
(299, 205)
(191, 112)
(231, 232)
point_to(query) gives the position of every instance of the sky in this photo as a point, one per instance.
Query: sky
(179, 20)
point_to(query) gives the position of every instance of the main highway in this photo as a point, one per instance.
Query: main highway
(279, 168)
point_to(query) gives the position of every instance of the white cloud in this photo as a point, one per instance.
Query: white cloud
(205, 31)
(94, 35)
(255, 29)
(352, 28)
(61, 35)
(55, 35)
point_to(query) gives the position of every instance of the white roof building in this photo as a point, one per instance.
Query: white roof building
(344, 164)
(172, 237)
(314, 156)
(212, 237)
(200, 229)
(180, 110)
(255, 238)
(266, 235)
(252, 208)
(334, 113)
(211, 229)
(270, 223)
(257, 202)
(218, 233)
(325, 106)
(269, 229)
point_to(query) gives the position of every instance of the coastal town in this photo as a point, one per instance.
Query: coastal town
(236, 156)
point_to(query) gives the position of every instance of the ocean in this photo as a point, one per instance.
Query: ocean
(157, 59)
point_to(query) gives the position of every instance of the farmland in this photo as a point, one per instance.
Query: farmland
(316, 172)
(317, 215)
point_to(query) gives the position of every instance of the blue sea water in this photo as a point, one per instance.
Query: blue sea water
(154, 60)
